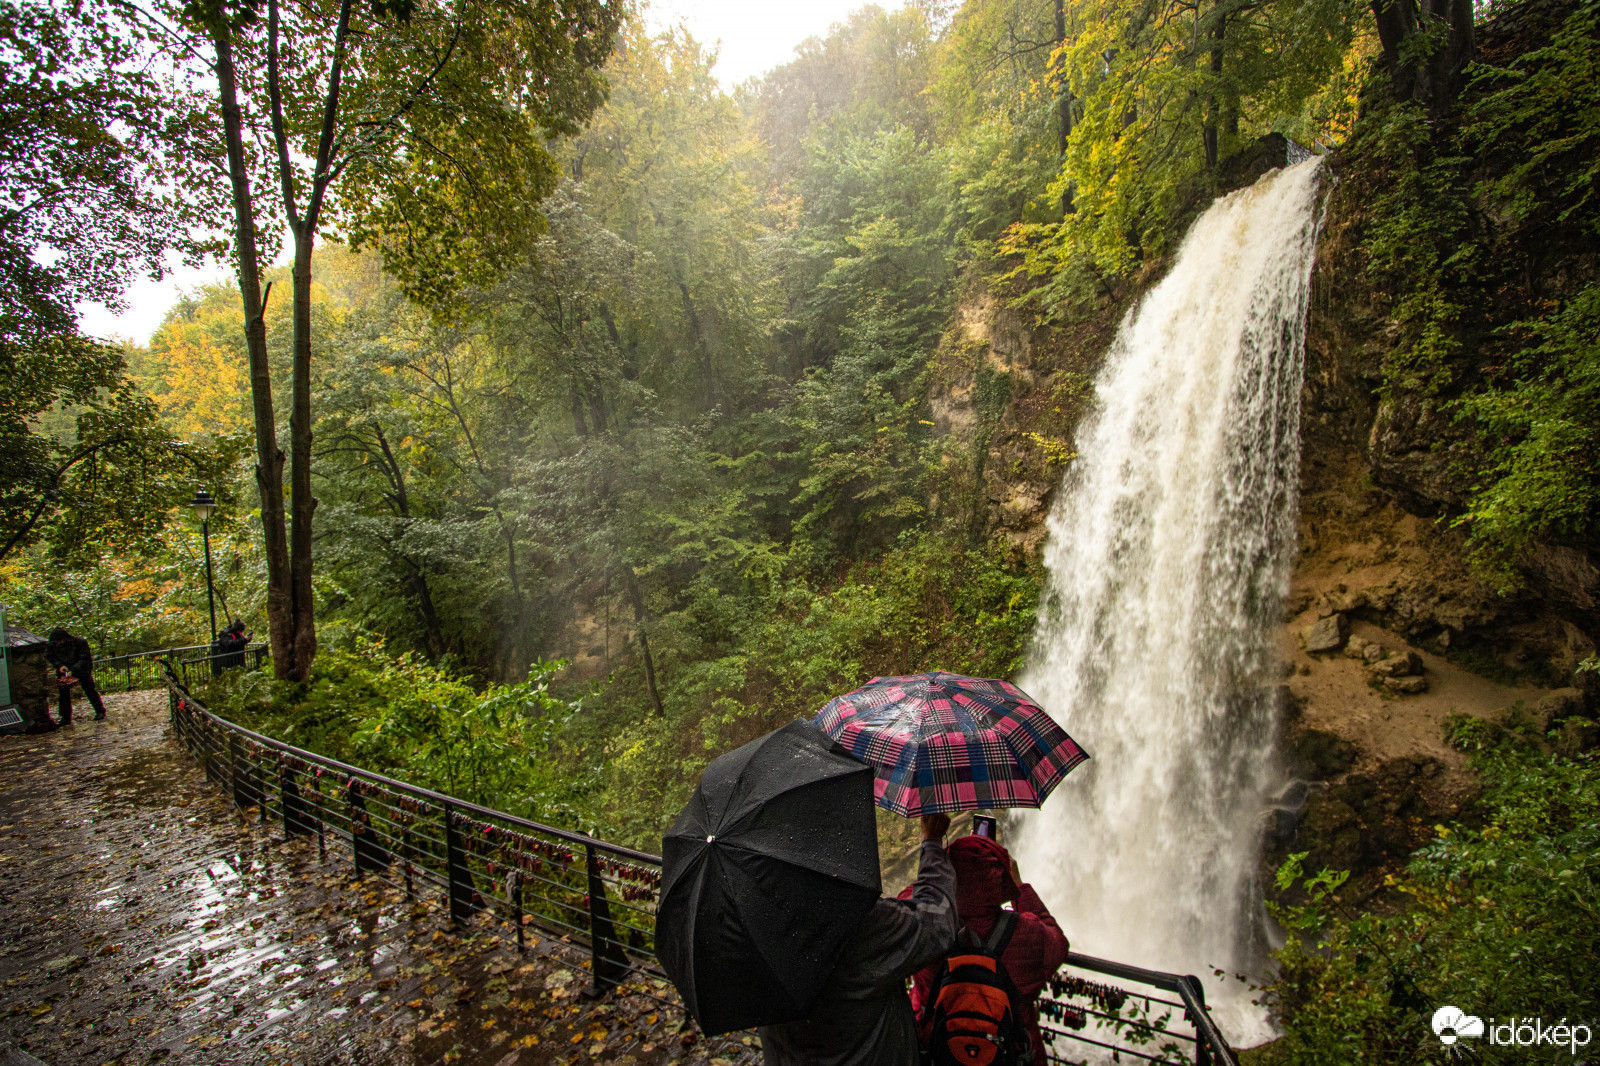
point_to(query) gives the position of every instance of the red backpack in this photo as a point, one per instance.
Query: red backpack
(973, 1019)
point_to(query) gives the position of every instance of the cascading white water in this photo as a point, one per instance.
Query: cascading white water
(1168, 559)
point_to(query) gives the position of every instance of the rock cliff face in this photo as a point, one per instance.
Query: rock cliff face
(1009, 395)
(1381, 474)
(1378, 473)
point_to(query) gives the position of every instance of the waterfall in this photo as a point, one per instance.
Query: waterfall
(1168, 557)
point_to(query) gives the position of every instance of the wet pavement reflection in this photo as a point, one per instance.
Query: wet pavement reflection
(144, 919)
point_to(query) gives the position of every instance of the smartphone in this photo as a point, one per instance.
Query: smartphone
(983, 825)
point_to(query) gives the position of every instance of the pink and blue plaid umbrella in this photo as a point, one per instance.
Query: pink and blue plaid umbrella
(943, 742)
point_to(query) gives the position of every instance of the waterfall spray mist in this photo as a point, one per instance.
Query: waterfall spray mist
(1169, 553)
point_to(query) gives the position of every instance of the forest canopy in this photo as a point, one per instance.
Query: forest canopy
(640, 372)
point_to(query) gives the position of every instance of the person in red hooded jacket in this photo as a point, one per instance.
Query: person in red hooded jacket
(986, 877)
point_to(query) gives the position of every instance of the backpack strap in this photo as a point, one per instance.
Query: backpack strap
(999, 940)
(1000, 935)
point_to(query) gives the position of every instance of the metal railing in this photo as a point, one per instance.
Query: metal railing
(143, 669)
(513, 874)
(252, 655)
(143, 665)
(481, 865)
(1141, 1025)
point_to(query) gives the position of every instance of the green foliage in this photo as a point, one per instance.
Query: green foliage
(1457, 212)
(85, 462)
(862, 426)
(1499, 920)
(1541, 116)
(79, 207)
(152, 598)
(1541, 432)
(737, 666)
(418, 722)
(1161, 94)
(475, 92)
(1417, 240)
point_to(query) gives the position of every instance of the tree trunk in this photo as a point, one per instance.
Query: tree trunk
(269, 458)
(301, 502)
(1214, 104)
(706, 373)
(636, 598)
(579, 425)
(1063, 104)
(628, 352)
(432, 631)
(599, 416)
(304, 227)
(1431, 78)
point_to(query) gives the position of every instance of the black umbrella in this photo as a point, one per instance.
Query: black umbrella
(765, 875)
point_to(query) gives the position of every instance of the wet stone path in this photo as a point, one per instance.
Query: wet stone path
(144, 919)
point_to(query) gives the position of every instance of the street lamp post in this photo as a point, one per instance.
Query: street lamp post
(203, 505)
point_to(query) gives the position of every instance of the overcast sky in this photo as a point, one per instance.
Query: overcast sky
(755, 37)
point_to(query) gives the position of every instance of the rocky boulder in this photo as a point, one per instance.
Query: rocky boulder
(1400, 664)
(1406, 686)
(1558, 706)
(1327, 635)
(1363, 650)
(1368, 823)
(1332, 829)
(1317, 755)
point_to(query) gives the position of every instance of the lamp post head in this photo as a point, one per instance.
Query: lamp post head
(203, 504)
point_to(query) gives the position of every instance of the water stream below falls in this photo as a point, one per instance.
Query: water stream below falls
(1168, 557)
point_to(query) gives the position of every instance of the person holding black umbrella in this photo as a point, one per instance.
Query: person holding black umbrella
(864, 1017)
(771, 913)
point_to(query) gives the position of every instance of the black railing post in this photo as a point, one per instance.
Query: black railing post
(1202, 1046)
(294, 807)
(514, 897)
(405, 859)
(608, 961)
(370, 856)
(458, 873)
(258, 783)
(240, 800)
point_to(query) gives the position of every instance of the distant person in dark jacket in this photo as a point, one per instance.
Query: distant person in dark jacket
(229, 648)
(864, 1016)
(73, 658)
(986, 877)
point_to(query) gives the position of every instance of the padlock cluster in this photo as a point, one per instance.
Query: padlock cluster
(1108, 998)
